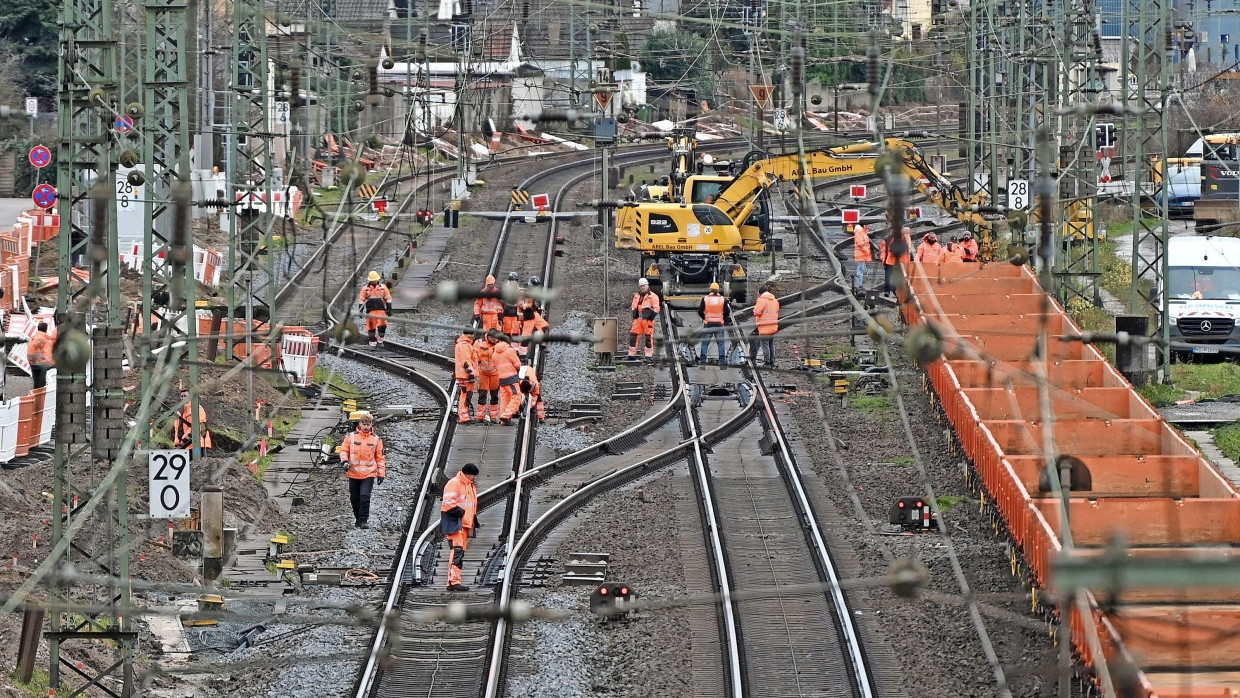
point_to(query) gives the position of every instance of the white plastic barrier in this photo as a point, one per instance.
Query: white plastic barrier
(49, 410)
(296, 358)
(10, 411)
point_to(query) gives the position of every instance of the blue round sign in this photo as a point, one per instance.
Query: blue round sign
(44, 196)
(124, 123)
(40, 156)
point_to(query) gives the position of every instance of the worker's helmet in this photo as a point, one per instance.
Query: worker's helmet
(373, 276)
(512, 276)
(490, 280)
(642, 282)
(714, 286)
(967, 236)
(523, 372)
(535, 281)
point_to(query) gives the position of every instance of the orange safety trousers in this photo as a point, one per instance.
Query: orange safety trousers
(641, 328)
(457, 543)
(488, 389)
(490, 321)
(467, 392)
(375, 319)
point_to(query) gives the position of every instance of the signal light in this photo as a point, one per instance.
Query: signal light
(610, 600)
(912, 513)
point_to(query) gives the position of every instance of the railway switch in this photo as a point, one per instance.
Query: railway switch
(912, 513)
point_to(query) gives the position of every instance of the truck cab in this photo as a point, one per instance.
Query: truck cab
(1203, 288)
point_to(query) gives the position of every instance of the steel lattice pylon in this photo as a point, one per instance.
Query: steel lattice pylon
(1078, 93)
(1144, 59)
(90, 536)
(168, 310)
(249, 173)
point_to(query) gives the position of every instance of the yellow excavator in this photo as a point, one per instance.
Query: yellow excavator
(716, 221)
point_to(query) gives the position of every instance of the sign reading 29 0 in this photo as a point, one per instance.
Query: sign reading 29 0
(169, 484)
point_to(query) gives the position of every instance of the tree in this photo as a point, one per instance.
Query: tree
(678, 57)
(28, 30)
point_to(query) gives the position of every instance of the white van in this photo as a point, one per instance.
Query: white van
(1203, 286)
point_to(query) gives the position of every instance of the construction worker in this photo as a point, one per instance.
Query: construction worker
(930, 251)
(39, 354)
(376, 302)
(766, 315)
(458, 519)
(488, 377)
(362, 455)
(895, 250)
(863, 253)
(508, 368)
(645, 307)
(531, 320)
(715, 313)
(489, 306)
(968, 247)
(952, 251)
(466, 376)
(510, 318)
(183, 427)
(527, 385)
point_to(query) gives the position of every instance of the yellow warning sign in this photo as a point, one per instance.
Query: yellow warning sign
(603, 99)
(367, 191)
(761, 95)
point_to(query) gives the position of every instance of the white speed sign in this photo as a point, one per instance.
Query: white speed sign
(1018, 194)
(168, 478)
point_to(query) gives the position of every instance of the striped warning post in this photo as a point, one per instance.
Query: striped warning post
(520, 197)
(367, 191)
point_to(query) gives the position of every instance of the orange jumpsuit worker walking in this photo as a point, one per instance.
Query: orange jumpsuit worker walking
(489, 306)
(39, 353)
(466, 375)
(183, 427)
(376, 302)
(766, 315)
(488, 377)
(458, 519)
(510, 320)
(714, 311)
(895, 250)
(645, 307)
(362, 455)
(508, 367)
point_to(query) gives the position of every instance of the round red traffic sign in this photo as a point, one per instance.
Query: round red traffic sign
(124, 123)
(40, 156)
(44, 196)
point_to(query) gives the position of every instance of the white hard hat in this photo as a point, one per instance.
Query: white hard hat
(643, 282)
(523, 372)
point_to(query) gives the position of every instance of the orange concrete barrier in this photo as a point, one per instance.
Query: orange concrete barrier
(25, 425)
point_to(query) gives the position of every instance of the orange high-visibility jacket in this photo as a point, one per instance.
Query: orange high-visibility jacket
(465, 357)
(766, 313)
(460, 492)
(39, 351)
(182, 429)
(489, 305)
(862, 250)
(642, 301)
(364, 453)
(888, 257)
(507, 361)
(484, 355)
(713, 309)
(378, 291)
(968, 250)
(930, 252)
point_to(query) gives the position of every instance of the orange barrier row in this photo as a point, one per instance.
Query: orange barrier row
(1149, 485)
(295, 354)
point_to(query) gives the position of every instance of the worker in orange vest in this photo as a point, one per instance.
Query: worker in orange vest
(376, 302)
(510, 318)
(895, 250)
(968, 247)
(766, 315)
(183, 427)
(39, 354)
(863, 252)
(362, 455)
(489, 306)
(952, 251)
(508, 368)
(930, 251)
(488, 377)
(715, 314)
(466, 376)
(645, 307)
(527, 384)
(458, 519)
